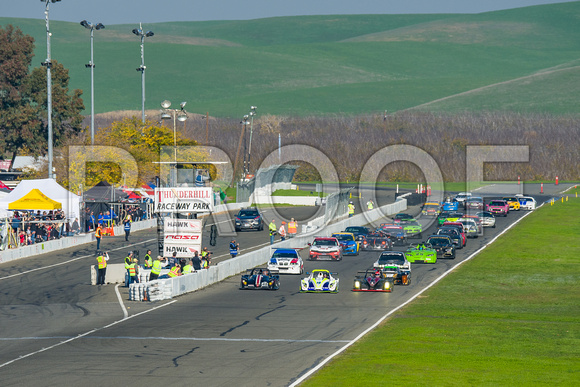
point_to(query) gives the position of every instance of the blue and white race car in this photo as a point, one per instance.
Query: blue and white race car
(350, 246)
(319, 281)
(286, 261)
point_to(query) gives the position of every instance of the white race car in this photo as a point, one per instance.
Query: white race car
(286, 261)
(319, 281)
(487, 219)
(527, 202)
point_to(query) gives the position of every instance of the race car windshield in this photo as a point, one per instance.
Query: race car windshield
(284, 255)
(249, 213)
(355, 229)
(395, 258)
(324, 243)
(437, 242)
(497, 203)
(342, 237)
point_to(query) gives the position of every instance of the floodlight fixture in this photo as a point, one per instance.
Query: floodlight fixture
(182, 116)
(183, 105)
(166, 104)
(139, 32)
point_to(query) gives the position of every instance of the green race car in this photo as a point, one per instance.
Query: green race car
(421, 254)
(412, 229)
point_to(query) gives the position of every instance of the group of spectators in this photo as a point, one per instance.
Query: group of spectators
(110, 218)
(28, 228)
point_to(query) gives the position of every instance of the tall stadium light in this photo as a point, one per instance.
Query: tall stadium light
(91, 65)
(48, 64)
(177, 114)
(142, 34)
(252, 114)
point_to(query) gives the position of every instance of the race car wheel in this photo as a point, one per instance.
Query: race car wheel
(493, 226)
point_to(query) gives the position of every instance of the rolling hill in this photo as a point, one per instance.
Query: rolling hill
(523, 60)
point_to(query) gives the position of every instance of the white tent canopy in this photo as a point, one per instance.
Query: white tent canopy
(70, 202)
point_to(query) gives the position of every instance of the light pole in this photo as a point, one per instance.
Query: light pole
(91, 65)
(244, 122)
(252, 114)
(178, 115)
(48, 64)
(142, 34)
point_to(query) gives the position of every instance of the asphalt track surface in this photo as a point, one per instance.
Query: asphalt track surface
(59, 330)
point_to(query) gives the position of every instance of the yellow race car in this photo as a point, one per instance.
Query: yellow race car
(513, 202)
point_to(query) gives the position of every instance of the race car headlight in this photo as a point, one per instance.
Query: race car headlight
(387, 285)
(245, 282)
(357, 284)
(271, 282)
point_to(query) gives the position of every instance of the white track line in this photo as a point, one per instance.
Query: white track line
(71, 260)
(83, 335)
(360, 336)
(176, 339)
(125, 313)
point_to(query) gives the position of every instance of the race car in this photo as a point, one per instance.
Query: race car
(349, 244)
(376, 240)
(372, 280)
(421, 253)
(498, 207)
(450, 206)
(461, 197)
(469, 227)
(402, 216)
(443, 245)
(431, 209)
(319, 281)
(325, 249)
(457, 237)
(394, 265)
(412, 228)
(513, 202)
(487, 219)
(359, 232)
(448, 215)
(394, 232)
(527, 202)
(474, 203)
(286, 261)
(260, 278)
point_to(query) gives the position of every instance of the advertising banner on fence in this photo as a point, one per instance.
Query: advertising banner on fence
(182, 226)
(184, 199)
(182, 236)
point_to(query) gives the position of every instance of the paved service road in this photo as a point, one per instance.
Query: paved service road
(72, 333)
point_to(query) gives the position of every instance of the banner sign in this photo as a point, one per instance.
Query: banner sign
(182, 226)
(184, 199)
(183, 251)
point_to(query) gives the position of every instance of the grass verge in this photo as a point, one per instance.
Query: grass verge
(511, 316)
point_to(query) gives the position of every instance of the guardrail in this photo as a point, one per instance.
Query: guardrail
(172, 287)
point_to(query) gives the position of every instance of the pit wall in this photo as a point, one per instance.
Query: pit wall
(171, 287)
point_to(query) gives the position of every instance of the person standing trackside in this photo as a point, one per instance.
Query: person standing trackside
(102, 267)
(292, 228)
(148, 260)
(187, 269)
(128, 262)
(282, 231)
(273, 230)
(234, 248)
(175, 271)
(155, 269)
(133, 272)
(196, 262)
(370, 204)
(350, 210)
(99, 235)
(127, 227)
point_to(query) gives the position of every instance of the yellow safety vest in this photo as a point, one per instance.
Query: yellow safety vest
(127, 262)
(272, 228)
(156, 267)
(174, 271)
(351, 208)
(187, 269)
(204, 253)
(98, 232)
(102, 262)
(132, 271)
(147, 260)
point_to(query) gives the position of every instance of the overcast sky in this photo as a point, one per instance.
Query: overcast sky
(151, 11)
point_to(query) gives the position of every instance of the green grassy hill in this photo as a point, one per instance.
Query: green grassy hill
(312, 65)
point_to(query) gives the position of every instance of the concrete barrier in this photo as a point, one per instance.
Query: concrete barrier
(159, 290)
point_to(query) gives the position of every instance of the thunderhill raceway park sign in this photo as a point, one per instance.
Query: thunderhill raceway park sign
(181, 236)
(184, 200)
